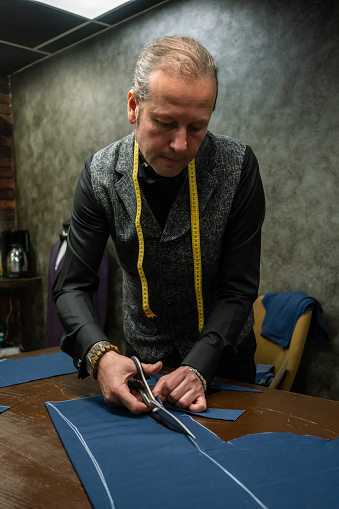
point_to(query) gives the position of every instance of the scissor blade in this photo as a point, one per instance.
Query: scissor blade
(171, 421)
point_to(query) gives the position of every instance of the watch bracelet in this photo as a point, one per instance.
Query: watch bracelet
(200, 376)
(105, 346)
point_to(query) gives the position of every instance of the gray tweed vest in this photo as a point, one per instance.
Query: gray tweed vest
(168, 258)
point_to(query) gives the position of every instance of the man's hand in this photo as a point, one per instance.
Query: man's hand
(114, 371)
(182, 388)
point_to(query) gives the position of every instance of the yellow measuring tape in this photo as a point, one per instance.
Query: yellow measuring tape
(144, 286)
(195, 228)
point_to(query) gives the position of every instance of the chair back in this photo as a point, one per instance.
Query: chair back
(285, 360)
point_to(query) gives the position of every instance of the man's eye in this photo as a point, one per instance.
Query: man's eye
(196, 129)
(163, 124)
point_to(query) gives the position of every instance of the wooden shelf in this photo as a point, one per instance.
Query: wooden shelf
(18, 282)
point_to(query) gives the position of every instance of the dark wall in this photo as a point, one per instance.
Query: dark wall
(278, 93)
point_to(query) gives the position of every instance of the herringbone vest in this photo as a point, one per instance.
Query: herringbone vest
(168, 258)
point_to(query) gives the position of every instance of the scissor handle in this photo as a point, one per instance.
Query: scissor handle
(144, 390)
(134, 384)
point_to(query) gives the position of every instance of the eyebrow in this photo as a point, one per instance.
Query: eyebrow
(166, 117)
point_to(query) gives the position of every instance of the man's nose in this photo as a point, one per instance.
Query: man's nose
(178, 142)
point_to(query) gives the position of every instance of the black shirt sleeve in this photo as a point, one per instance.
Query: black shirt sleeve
(239, 273)
(78, 280)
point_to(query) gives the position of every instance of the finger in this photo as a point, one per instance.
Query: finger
(125, 398)
(161, 396)
(182, 392)
(161, 390)
(199, 405)
(182, 396)
(136, 394)
(152, 369)
(131, 402)
(189, 391)
(168, 383)
(179, 386)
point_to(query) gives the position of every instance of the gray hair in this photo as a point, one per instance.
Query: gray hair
(176, 54)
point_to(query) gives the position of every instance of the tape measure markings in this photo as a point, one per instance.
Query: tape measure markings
(144, 287)
(195, 229)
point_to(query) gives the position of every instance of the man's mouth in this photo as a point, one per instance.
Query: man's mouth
(173, 160)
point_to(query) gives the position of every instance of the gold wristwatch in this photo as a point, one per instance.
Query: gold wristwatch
(95, 353)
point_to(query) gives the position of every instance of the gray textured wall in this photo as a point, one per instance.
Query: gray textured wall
(278, 93)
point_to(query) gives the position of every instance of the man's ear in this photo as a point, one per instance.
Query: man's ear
(132, 105)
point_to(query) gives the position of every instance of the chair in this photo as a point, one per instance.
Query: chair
(286, 361)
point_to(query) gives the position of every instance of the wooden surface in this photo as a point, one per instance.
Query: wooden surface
(35, 471)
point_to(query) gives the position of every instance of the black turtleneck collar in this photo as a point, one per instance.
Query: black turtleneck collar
(159, 191)
(150, 176)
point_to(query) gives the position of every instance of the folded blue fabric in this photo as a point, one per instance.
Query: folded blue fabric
(19, 371)
(282, 312)
(4, 408)
(264, 374)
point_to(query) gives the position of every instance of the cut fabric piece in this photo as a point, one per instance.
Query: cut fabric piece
(222, 414)
(152, 380)
(19, 371)
(229, 387)
(4, 408)
(282, 312)
(117, 453)
(285, 469)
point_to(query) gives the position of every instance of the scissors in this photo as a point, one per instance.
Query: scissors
(139, 383)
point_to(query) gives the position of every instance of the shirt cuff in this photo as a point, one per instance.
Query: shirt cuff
(86, 337)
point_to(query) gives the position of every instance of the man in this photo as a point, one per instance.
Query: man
(184, 208)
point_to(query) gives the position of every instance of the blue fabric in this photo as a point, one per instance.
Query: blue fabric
(222, 414)
(264, 374)
(4, 408)
(19, 371)
(152, 380)
(126, 460)
(282, 312)
(229, 387)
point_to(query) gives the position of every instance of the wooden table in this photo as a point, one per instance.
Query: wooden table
(35, 471)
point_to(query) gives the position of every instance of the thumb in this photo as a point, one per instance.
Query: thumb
(152, 369)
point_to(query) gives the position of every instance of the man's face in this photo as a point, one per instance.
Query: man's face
(171, 126)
